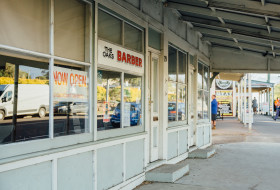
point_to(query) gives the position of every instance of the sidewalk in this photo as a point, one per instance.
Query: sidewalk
(244, 160)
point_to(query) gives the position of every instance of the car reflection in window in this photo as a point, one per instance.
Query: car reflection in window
(135, 115)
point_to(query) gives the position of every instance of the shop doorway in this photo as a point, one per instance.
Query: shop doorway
(154, 105)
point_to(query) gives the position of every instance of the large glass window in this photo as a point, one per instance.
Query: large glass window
(112, 110)
(42, 96)
(132, 37)
(109, 27)
(177, 72)
(203, 91)
(118, 31)
(154, 39)
(24, 100)
(71, 102)
(132, 101)
(25, 24)
(70, 26)
(108, 100)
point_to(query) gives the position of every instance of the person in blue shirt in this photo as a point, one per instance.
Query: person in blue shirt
(214, 109)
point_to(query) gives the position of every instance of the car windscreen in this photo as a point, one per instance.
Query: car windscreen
(2, 89)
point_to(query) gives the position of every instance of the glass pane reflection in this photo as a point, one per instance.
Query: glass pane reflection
(172, 108)
(132, 115)
(108, 100)
(71, 104)
(24, 100)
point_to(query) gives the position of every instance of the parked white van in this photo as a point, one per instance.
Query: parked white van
(32, 99)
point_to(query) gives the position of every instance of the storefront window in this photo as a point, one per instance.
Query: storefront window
(200, 104)
(154, 39)
(108, 100)
(112, 112)
(172, 64)
(25, 24)
(182, 67)
(203, 91)
(177, 72)
(24, 100)
(71, 102)
(133, 37)
(181, 102)
(70, 26)
(199, 76)
(132, 115)
(42, 96)
(172, 102)
(109, 27)
(118, 31)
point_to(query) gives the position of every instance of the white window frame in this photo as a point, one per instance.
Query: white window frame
(204, 120)
(25, 147)
(127, 130)
(184, 122)
(105, 134)
(122, 35)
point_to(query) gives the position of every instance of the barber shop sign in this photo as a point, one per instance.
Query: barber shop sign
(114, 56)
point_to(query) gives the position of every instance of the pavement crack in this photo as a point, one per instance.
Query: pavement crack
(254, 187)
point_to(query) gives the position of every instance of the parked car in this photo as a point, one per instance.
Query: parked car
(172, 111)
(74, 107)
(135, 115)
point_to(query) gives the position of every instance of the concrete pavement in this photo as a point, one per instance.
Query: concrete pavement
(244, 160)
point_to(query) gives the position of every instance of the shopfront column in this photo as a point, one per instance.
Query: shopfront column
(241, 100)
(238, 99)
(245, 101)
(250, 102)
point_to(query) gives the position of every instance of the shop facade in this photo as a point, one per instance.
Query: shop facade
(96, 93)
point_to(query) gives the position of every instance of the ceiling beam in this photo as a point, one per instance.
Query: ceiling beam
(247, 6)
(241, 32)
(223, 14)
(243, 45)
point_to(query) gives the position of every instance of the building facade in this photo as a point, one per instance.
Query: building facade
(96, 93)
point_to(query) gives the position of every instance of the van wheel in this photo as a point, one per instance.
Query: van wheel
(42, 112)
(2, 115)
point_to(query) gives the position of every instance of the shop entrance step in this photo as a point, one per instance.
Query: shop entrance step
(202, 153)
(168, 172)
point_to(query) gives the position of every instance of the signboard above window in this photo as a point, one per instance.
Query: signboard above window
(113, 56)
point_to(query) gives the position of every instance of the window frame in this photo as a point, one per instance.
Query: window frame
(104, 134)
(31, 146)
(181, 122)
(123, 22)
(204, 91)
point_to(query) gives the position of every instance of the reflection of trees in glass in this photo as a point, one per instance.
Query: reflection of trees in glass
(132, 94)
(171, 92)
(7, 76)
(132, 89)
(101, 93)
(115, 94)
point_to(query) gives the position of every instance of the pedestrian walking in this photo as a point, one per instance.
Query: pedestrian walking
(214, 109)
(277, 106)
(255, 105)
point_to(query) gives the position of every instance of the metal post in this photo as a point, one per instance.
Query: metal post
(268, 100)
(234, 100)
(250, 101)
(272, 101)
(238, 101)
(259, 102)
(241, 100)
(245, 101)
